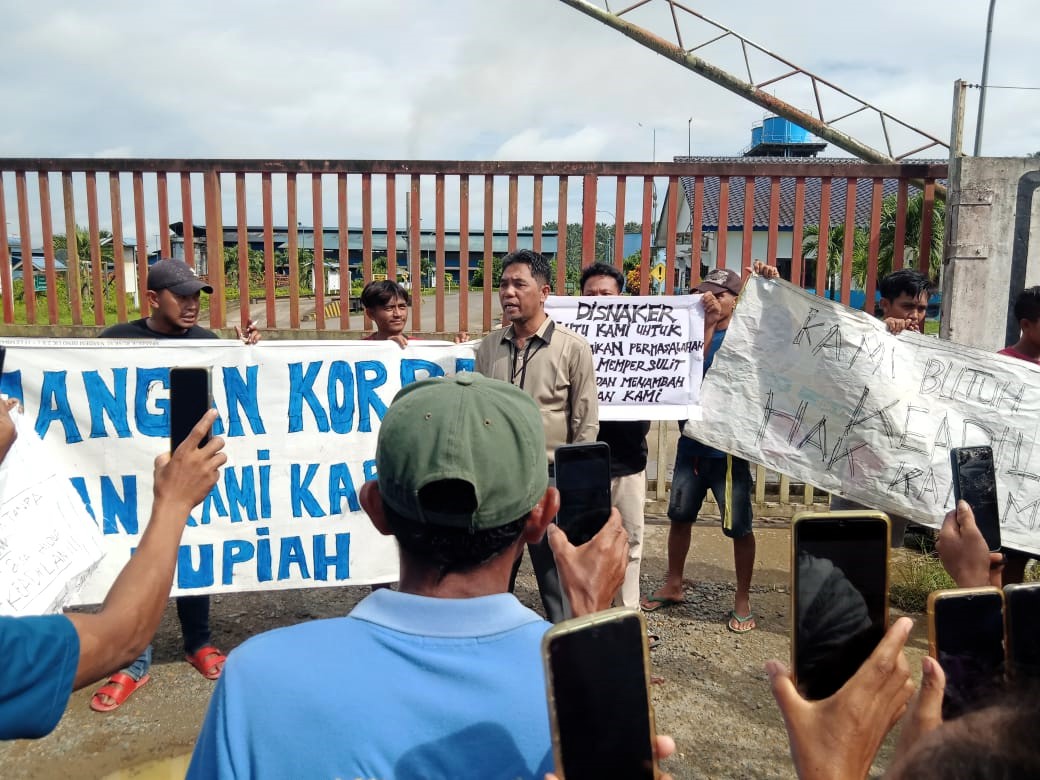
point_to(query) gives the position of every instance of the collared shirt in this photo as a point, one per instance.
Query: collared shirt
(555, 368)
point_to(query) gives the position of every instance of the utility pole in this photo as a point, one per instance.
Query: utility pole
(985, 80)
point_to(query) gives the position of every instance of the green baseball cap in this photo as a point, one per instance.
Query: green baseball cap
(470, 428)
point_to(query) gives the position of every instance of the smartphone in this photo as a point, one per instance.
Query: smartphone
(1022, 623)
(3, 358)
(966, 637)
(597, 673)
(583, 479)
(839, 589)
(975, 480)
(191, 396)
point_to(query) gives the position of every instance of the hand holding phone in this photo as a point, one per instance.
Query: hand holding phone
(583, 479)
(839, 573)
(966, 637)
(597, 674)
(975, 481)
(191, 396)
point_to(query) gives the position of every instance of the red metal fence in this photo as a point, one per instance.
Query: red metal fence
(783, 200)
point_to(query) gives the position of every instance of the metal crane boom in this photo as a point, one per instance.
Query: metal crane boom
(751, 90)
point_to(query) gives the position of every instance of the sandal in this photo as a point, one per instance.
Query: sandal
(118, 689)
(739, 624)
(208, 660)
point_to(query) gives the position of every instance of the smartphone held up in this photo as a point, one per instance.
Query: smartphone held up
(583, 479)
(839, 590)
(191, 396)
(975, 481)
(597, 672)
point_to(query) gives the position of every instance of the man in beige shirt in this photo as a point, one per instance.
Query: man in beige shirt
(554, 366)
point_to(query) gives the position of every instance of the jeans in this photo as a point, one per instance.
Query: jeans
(193, 613)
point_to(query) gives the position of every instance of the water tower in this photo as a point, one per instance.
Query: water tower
(775, 136)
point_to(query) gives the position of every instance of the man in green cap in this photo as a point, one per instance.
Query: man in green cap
(443, 677)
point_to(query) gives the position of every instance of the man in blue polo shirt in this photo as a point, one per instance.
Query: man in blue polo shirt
(46, 657)
(443, 677)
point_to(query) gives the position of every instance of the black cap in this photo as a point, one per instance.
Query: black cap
(177, 277)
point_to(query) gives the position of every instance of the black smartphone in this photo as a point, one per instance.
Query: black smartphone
(583, 479)
(975, 480)
(966, 637)
(191, 396)
(597, 673)
(1022, 623)
(839, 589)
(3, 357)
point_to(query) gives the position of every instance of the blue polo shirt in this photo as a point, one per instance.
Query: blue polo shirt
(404, 687)
(39, 659)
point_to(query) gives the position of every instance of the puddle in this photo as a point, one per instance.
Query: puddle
(164, 769)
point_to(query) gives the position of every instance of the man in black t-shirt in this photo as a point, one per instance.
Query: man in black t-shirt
(174, 293)
(627, 440)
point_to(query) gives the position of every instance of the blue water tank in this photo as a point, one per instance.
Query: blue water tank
(756, 135)
(777, 130)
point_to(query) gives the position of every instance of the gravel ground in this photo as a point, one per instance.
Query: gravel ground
(713, 696)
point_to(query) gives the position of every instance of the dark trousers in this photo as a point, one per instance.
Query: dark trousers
(193, 612)
(544, 565)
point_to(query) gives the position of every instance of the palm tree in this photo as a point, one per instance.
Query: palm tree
(835, 250)
(911, 235)
(60, 244)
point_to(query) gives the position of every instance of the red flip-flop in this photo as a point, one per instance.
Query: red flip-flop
(118, 689)
(208, 660)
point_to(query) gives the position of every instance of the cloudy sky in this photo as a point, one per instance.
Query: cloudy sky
(476, 79)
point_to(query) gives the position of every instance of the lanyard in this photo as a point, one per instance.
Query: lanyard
(522, 369)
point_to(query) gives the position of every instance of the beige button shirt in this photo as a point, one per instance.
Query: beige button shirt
(555, 368)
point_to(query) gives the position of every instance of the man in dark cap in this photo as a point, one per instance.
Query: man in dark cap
(442, 677)
(174, 293)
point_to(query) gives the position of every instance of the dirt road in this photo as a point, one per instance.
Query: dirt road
(714, 697)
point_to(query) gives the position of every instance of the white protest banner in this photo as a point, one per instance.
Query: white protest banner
(49, 545)
(825, 394)
(300, 419)
(648, 352)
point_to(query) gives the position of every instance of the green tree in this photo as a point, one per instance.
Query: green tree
(255, 264)
(82, 238)
(496, 273)
(834, 251)
(911, 237)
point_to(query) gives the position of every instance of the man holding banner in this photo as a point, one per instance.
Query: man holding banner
(174, 295)
(553, 365)
(699, 468)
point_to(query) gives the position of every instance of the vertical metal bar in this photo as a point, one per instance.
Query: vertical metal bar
(116, 202)
(876, 199)
(749, 223)
(72, 261)
(215, 249)
(186, 219)
(391, 228)
(345, 291)
(898, 248)
(850, 239)
(588, 220)
(163, 195)
(785, 489)
(293, 250)
(562, 234)
(141, 233)
(723, 226)
(318, 246)
(489, 257)
(47, 233)
(269, 281)
(439, 249)
(648, 227)
(464, 250)
(672, 220)
(415, 231)
(774, 220)
(243, 250)
(28, 269)
(513, 196)
(797, 272)
(823, 238)
(6, 284)
(924, 257)
(696, 231)
(366, 236)
(619, 224)
(95, 250)
(536, 221)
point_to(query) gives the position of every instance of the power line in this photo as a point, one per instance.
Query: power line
(994, 86)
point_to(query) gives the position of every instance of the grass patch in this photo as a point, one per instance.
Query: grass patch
(931, 327)
(915, 574)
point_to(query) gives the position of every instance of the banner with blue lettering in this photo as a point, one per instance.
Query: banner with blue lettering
(300, 419)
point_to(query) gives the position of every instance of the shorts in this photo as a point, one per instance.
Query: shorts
(729, 479)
